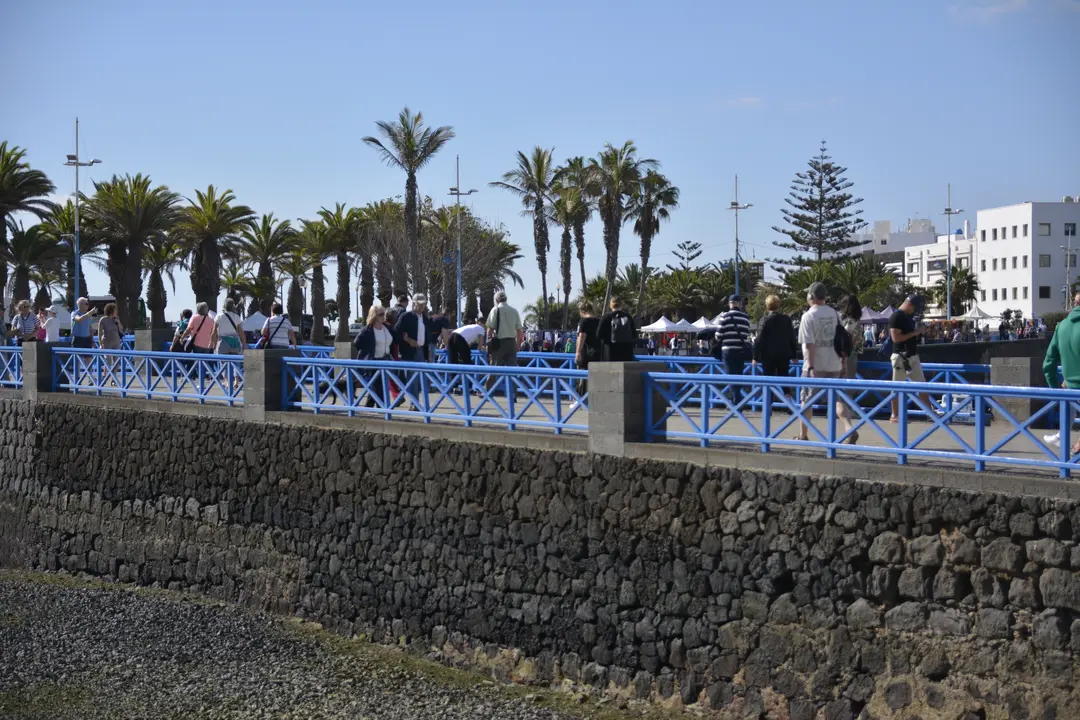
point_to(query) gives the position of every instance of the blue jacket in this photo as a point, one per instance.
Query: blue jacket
(365, 342)
(408, 324)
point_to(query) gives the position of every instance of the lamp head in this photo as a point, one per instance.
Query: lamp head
(71, 158)
(95, 161)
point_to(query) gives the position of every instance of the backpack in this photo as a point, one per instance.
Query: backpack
(622, 329)
(841, 342)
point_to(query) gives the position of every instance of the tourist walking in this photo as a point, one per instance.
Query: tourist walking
(734, 339)
(850, 319)
(198, 335)
(905, 349)
(374, 342)
(412, 331)
(110, 329)
(817, 333)
(774, 343)
(587, 348)
(277, 331)
(617, 333)
(52, 326)
(504, 332)
(1064, 352)
(82, 335)
(24, 325)
(438, 329)
(459, 347)
(42, 316)
(227, 338)
(181, 326)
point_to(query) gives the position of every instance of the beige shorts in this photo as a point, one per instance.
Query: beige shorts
(912, 370)
(807, 392)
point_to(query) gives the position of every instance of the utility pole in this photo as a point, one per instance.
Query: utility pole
(456, 192)
(737, 207)
(1066, 291)
(73, 161)
(949, 212)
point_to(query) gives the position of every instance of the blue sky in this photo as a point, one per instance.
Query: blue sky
(271, 99)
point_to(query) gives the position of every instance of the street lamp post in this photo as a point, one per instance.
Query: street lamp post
(303, 286)
(359, 312)
(73, 161)
(457, 193)
(949, 212)
(737, 207)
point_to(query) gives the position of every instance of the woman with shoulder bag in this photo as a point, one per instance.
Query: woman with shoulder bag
(197, 336)
(227, 338)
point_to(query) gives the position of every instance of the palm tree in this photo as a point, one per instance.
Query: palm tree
(342, 231)
(367, 233)
(60, 223)
(162, 256)
(965, 290)
(495, 273)
(22, 189)
(651, 202)
(318, 246)
(207, 225)
(237, 281)
(295, 267)
(28, 251)
(614, 175)
(441, 222)
(680, 293)
(264, 244)
(532, 182)
(565, 211)
(575, 175)
(409, 145)
(385, 232)
(129, 211)
(46, 279)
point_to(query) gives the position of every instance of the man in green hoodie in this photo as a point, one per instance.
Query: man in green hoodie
(1064, 350)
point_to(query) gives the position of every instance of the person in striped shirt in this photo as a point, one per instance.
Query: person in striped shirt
(24, 325)
(734, 341)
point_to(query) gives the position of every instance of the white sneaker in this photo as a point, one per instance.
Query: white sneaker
(1054, 439)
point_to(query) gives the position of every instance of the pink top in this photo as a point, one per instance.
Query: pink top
(203, 326)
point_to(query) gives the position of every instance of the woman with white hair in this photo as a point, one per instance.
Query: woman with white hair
(197, 337)
(227, 338)
(411, 331)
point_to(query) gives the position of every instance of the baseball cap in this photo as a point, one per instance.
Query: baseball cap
(817, 291)
(734, 299)
(916, 300)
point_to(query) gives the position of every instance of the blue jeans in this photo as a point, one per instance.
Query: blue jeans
(734, 363)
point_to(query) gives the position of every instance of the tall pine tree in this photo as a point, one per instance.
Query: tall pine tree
(821, 217)
(686, 252)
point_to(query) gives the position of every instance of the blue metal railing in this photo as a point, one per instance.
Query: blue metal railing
(11, 367)
(1009, 441)
(510, 397)
(127, 342)
(130, 373)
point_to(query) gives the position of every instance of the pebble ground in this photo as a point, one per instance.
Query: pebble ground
(72, 650)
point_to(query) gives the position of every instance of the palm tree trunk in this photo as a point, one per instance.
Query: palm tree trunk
(471, 307)
(318, 304)
(3, 266)
(385, 277)
(115, 265)
(449, 288)
(579, 240)
(487, 299)
(566, 265)
(296, 304)
(646, 248)
(156, 299)
(343, 296)
(540, 240)
(611, 244)
(133, 283)
(20, 286)
(412, 230)
(400, 264)
(42, 299)
(206, 273)
(367, 285)
(266, 272)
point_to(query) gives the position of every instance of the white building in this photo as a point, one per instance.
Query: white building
(881, 238)
(1018, 252)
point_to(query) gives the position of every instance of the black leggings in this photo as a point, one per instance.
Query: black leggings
(776, 368)
(458, 351)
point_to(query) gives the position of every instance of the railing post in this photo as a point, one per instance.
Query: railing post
(344, 351)
(902, 422)
(617, 405)
(1065, 422)
(264, 374)
(980, 431)
(766, 415)
(37, 369)
(153, 340)
(1018, 372)
(830, 399)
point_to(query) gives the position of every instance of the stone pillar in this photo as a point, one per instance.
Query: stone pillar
(1018, 372)
(263, 372)
(617, 405)
(153, 340)
(344, 351)
(37, 369)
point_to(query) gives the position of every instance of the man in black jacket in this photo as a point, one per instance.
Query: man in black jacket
(774, 344)
(617, 334)
(411, 331)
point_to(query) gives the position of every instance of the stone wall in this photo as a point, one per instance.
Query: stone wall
(765, 595)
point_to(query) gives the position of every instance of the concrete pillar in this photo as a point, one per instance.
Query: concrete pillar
(344, 351)
(263, 372)
(153, 340)
(1018, 372)
(617, 405)
(37, 369)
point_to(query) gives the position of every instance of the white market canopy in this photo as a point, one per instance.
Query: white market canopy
(704, 323)
(254, 322)
(685, 326)
(663, 325)
(976, 313)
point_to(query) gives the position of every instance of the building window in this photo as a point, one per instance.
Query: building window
(1025, 261)
(1004, 293)
(983, 295)
(1070, 229)
(995, 234)
(962, 262)
(1014, 293)
(1072, 260)
(1014, 231)
(1014, 262)
(1044, 229)
(1025, 292)
(983, 265)
(1003, 235)
(1025, 229)
(1044, 261)
(884, 242)
(995, 263)
(1044, 292)
(983, 235)
(995, 294)
(912, 268)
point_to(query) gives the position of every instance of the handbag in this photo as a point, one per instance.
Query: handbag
(189, 344)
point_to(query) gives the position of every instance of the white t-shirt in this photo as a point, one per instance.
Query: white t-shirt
(224, 327)
(421, 331)
(277, 330)
(383, 341)
(818, 328)
(472, 333)
(52, 330)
